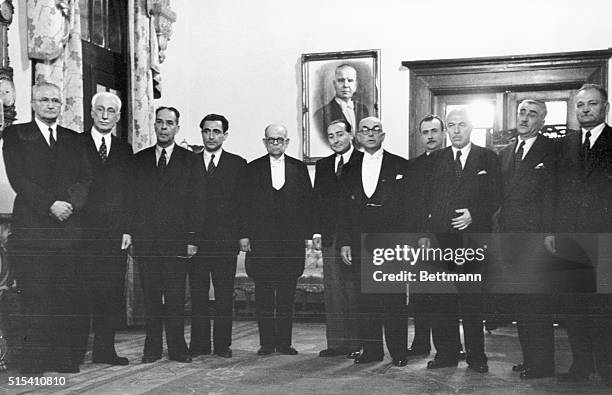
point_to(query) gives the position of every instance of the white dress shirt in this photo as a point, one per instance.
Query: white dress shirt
(44, 129)
(208, 155)
(528, 144)
(370, 171)
(345, 157)
(169, 150)
(595, 133)
(348, 109)
(97, 138)
(277, 170)
(465, 151)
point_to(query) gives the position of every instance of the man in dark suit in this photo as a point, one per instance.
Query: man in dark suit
(342, 106)
(462, 197)
(432, 132)
(371, 201)
(223, 174)
(166, 212)
(104, 215)
(47, 167)
(341, 285)
(528, 170)
(584, 206)
(277, 209)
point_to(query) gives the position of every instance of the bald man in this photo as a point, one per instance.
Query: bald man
(276, 213)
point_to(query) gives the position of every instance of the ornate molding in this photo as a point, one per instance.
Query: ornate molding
(163, 17)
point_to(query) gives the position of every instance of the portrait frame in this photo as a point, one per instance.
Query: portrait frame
(318, 70)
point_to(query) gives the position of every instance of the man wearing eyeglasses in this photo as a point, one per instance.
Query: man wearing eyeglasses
(48, 169)
(104, 263)
(276, 222)
(342, 106)
(223, 176)
(371, 202)
(167, 210)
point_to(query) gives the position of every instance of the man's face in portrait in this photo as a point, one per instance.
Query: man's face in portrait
(591, 108)
(459, 128)
(529, 119)
(339, 139)
(345, 82)
(105, 114)
(47, 103)
(276, 140)
(370, 134)
(213, 135)
(166, 127)
(432, 135)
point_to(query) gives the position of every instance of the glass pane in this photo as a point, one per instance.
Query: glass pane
(84, 11)
(557, 112)
(114, 26)
(99, 23)
(481, 112)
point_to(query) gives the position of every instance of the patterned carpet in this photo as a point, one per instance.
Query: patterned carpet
(306, 373)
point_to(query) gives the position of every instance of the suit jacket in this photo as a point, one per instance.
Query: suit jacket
(418, 171)
(220, 229)
(332, 111)
(327, 194)
(528, 198)
(277, 233)
(478, 190)
(166, 212)
(389, 195)
(106, 211)
(40, 177)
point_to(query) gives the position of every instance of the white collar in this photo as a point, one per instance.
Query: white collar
(277, 161)
(343, 103)
(44, 128)
(465, 151)
(347, 155)
(376, 155)
(217, 153)
(595, 133)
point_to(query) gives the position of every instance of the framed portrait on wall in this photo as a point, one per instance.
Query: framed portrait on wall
(337, 85)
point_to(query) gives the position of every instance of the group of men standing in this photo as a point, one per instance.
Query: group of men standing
(82, 200)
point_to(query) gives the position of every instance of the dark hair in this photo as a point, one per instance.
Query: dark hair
(216, 117)
(431, 117)
(347, 126)
(602, 91)
(176, 112)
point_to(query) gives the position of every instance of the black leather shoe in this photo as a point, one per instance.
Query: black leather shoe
(150, 358)
(111, 360)
(195, 352)
(227, 353)
(536, 374)
(519, 368)
(287, 350)
(400, 361)
(365, 358)
(330, 352)
(461, 355)
(353, 354)
(67, 368)
(415, 352)
(182, 358)
(265, 351)
(441, 363)
(572, 377)
(480, 367)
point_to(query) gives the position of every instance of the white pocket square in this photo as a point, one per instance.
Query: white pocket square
(540, 166)
(399, 176)
(481, 172)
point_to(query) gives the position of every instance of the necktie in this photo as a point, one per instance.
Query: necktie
(586, 146)
(52, 141)
(518, 156)
(102, 151)
(161, 165)
(339, 167)
(211, 165)
(458, 166)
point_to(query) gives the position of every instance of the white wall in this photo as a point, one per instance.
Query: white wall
(241, 58)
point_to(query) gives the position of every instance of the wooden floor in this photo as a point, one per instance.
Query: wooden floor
(306, 373)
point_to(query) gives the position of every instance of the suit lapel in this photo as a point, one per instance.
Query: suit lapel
(600, 150)
(472, 162)
(173, 166)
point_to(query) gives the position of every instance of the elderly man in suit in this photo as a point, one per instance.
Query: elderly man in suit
(104, 217)
(342, 106)
(276, 222)
(167, 210)
(371, 201)
(584, 206)
(48, 169)
(341, 284)
(462, 197)
(432, 131)
(528, 174)
(223, 174)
